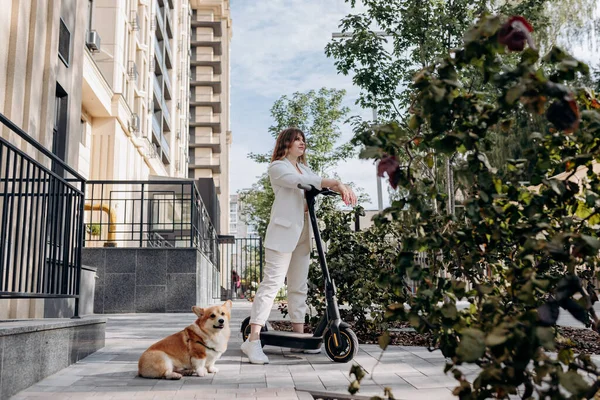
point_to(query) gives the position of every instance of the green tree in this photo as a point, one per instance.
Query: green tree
(319, 115)
(520, 253)
(393, 39)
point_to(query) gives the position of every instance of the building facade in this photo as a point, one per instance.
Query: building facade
(134, 105)
(209, 129)
(237, 226)
(105, 85)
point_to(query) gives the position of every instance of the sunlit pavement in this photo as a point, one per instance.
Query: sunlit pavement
(411, 372)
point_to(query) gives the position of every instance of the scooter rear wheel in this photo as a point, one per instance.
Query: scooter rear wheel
(246, 329)
(349, 346)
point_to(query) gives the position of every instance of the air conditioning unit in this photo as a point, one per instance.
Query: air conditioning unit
(92, 41)
(134, 125)
(178, 135)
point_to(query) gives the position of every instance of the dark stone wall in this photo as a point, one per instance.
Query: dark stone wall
(156, 280)
(32, 350)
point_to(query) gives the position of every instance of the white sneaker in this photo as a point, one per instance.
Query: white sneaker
(306, 351)
(253, 350)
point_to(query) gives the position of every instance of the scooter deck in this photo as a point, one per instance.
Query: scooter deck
(291, 339)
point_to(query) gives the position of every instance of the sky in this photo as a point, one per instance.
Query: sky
(277, 49)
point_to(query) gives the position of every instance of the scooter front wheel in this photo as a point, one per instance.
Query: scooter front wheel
(246, 328)
(348, 349)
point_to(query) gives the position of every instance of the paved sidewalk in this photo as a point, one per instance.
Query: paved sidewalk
(412, 372)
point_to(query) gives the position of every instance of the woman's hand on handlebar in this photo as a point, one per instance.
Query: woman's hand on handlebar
(347, 194)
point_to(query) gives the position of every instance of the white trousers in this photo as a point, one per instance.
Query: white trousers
(277, 266)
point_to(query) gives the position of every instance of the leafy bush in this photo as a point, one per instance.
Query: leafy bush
(521, 249)
(355, 261)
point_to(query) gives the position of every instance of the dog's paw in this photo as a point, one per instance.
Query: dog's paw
(201, 371)
(213, 369)
(173, 376)
(187, 372)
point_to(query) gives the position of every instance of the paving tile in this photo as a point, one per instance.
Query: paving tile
(413, 373)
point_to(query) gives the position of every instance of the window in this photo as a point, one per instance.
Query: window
(64, 43)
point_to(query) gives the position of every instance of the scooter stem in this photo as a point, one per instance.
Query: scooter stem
(333, 312)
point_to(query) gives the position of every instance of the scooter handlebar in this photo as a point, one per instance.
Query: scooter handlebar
(324, 191)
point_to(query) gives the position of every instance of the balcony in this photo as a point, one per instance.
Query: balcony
(207, 21)
(156, 130)
(159, 66)
(206, 141)
(211, 80)
(168, 22)
(166, 150)
(207, 100)
(205, 163)
(166, 117)
(160, 27)
(206, 60)
(167, 88)
(168, 55)
(157, 87)
(208, 121)
(207, 40)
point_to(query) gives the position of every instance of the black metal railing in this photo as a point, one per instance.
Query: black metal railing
(241, 266)
(161, 213)
(41, 220)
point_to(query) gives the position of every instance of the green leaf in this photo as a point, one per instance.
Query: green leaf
(496, 337)
(429, 160)
(449, 311)
(546, 337)
(472, 345)
(514, 93)
(384, 340)
(573, 382)
(591, 241)
(413, 122)
(370, 152)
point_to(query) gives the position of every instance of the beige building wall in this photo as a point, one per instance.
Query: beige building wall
(209, 132)
(135, 90)
(128, 89)
(31, 74)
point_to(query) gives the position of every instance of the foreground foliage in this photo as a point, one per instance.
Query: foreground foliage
(520, 251)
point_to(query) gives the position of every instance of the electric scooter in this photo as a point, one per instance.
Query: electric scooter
(341, 344)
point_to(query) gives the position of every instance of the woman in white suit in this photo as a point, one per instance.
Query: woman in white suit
(287, 241)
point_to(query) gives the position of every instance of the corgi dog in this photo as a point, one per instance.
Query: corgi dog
(194, 349)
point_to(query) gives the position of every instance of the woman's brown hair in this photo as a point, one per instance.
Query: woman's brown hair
(285, 138)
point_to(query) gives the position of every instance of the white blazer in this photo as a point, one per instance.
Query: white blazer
(287, 212)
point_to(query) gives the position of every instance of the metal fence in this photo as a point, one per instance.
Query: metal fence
(41, 221)
(241, 266)
(160, 213)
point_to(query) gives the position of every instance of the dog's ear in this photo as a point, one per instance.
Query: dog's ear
(228, 304)
(198, 311)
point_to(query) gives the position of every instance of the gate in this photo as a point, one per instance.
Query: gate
(241, 266)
